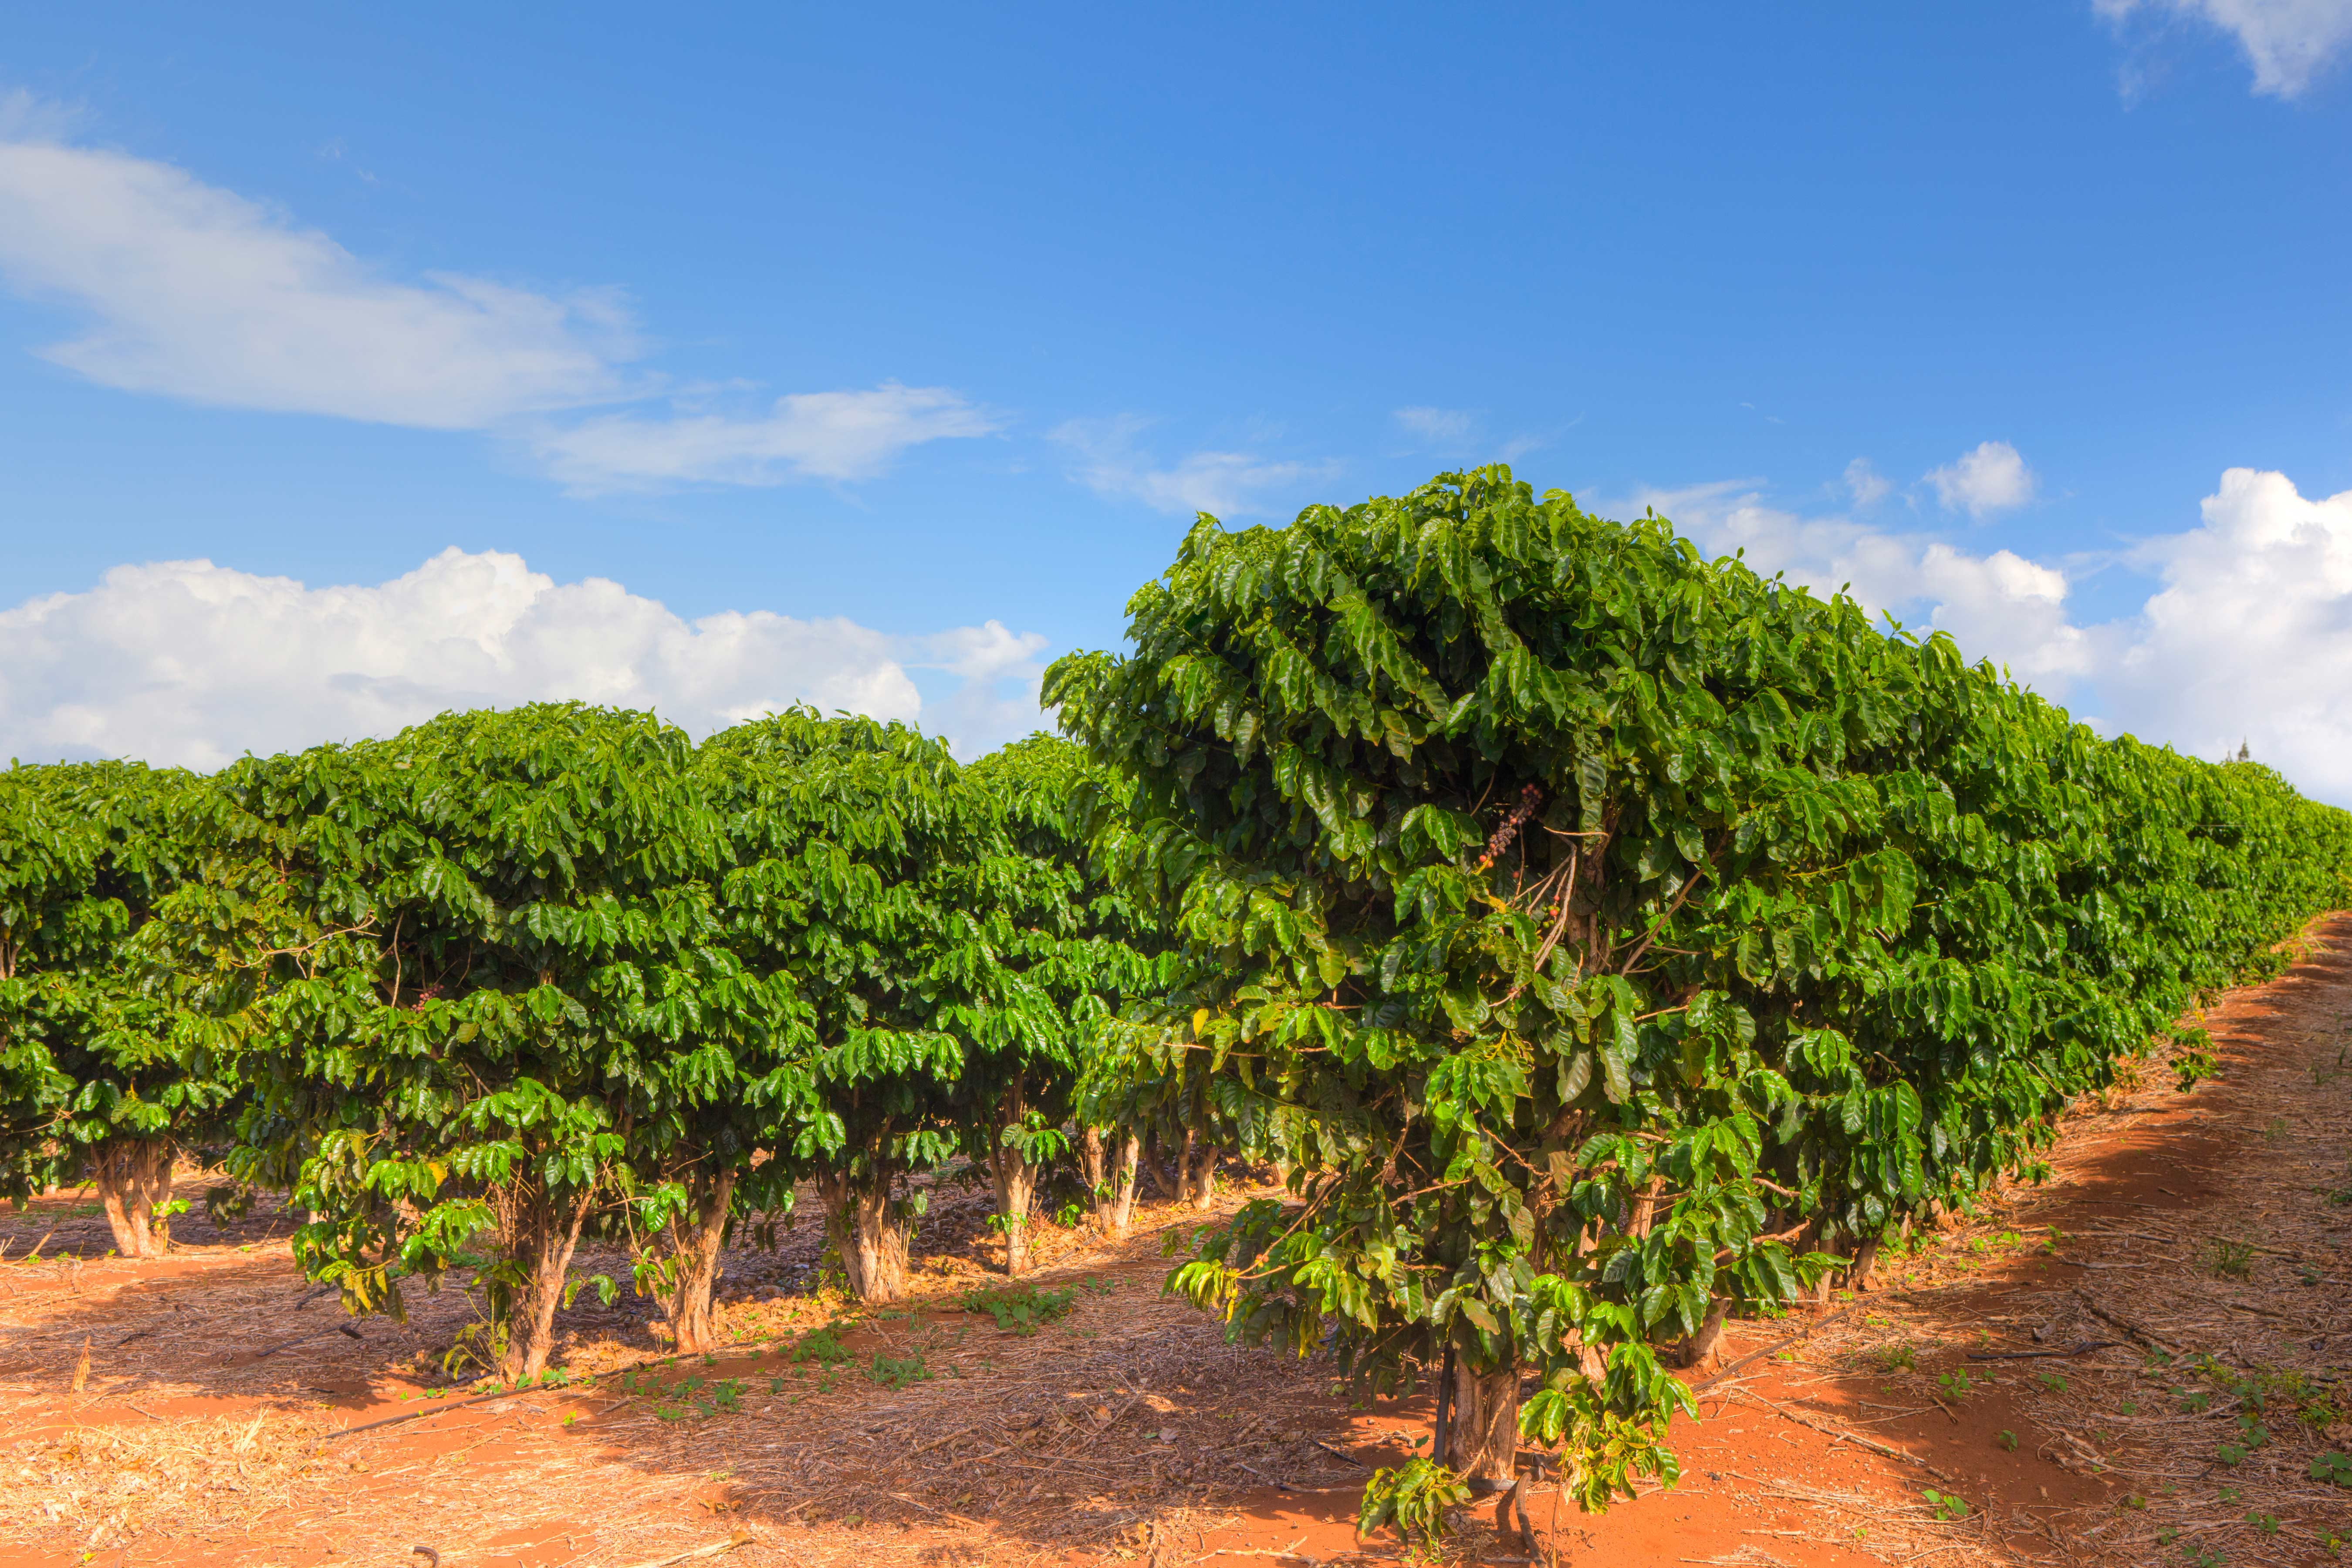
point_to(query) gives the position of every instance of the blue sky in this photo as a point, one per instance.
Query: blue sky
(906, 343)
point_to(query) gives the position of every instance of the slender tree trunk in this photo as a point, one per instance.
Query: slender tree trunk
(1811, 1241)
(872, 1241)
(1110, 1167)
(1160, 1188)
(1645, 1216)
(1482, 1440)
(135, 1183)
(1699, 1348)
(1865, 1258)
(1014, 1179)
(695, 1242)
(546, 1232)
(1196, 1170)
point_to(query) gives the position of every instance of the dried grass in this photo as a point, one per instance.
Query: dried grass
(109, 1486)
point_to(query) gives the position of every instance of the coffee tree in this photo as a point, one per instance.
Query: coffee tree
(846, 834)
(1068, 947)
(99, 1071)
(1601, 934)
(482, 968)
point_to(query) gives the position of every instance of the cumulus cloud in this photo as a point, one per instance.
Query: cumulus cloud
(190, 663)
(814, 435)
(2288, 42)
(197, 293)
(2251, 637)
(1999, 606)
(1441, 424)
(1109, 462)
(1991, 479)
(2246, 637)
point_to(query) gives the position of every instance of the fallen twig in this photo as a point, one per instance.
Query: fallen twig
(418, 1414)
(2085, 1348)
(345, 1329)
(740, 1538)
(1845, 1436)
(2123, 1325)
(1776, 1346)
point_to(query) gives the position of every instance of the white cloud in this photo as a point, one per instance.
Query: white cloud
(1865, 483)
(1991, 479)
(191, 663)
(2287, 42)
(814, 435)
(2248, 638)
(1222, 484)
(197, 293)
(1443, 425)
(2251, 637)
(1999, 606)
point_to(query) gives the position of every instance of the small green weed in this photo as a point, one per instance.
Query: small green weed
(2234, 1259)
(822, 1346)
(2053, 1382)
(1949, 1506)
(1023, 1310)
(2334, 1468)
(897, 1372)
(1415, 1495)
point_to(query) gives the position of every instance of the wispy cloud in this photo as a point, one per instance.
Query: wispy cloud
(194, 292)
(1865, 483)
(1109, 461)
(2289, 43)
(811, 434)
(1444, 425)
(1989, 479)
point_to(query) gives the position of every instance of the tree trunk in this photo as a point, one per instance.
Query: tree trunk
(1645, 1216)
(695, 1242)
(1699, 1348)
(1160, 1188)
(1109, 1170)
(1865, 1258)
(1196, 1170)
(1482, 1440)
(872, 1240)
(1014, 1179)
(546, 1230)
(135, 1182)
(1811, 1240)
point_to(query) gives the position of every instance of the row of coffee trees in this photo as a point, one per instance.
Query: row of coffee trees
(1603, 940)
(507, 979)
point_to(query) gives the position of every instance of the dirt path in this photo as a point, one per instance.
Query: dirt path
(2200, 1261)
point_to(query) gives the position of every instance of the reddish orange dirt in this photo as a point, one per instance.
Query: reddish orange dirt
(2061, 1364)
